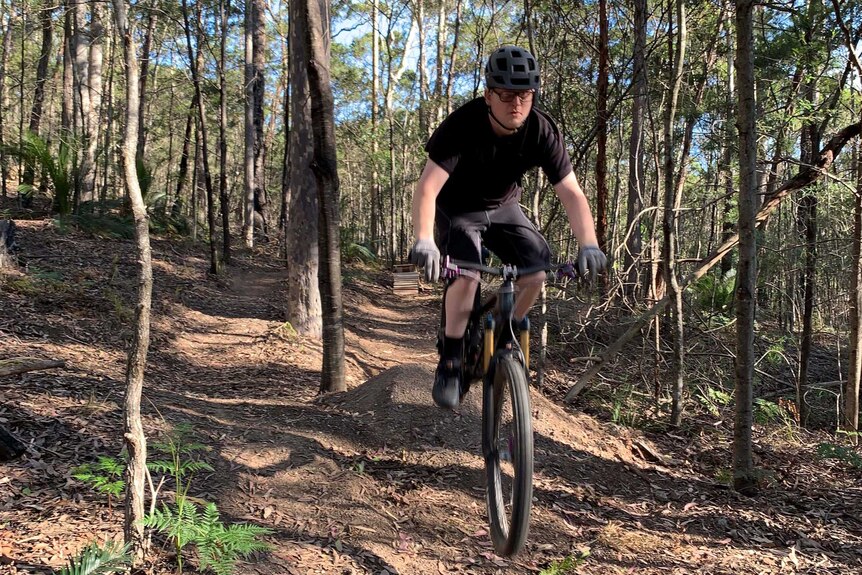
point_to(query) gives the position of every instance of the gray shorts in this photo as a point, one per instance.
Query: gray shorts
(504, 230)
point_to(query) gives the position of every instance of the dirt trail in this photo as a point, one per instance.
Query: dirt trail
(376, 480)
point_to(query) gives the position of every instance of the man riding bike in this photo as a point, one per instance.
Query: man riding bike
(470, 188)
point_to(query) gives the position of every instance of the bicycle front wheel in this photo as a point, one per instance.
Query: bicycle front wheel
(507, 440)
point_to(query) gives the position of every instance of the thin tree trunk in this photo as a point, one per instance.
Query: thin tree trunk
(195, 62)
(46, 15)
(145, 76)
(81, 63)
(376, 214)
(636, 166)
(4, 93)
(450, 77)
(677, 55)
(259, 91)
(324, 166)
(224, 9)
(182, 175)
(248, 221)
(852, 386)
(744, 480)
(602, 136)
(133, 431)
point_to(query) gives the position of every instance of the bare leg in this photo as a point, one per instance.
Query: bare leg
(529, 288)
(459, 304)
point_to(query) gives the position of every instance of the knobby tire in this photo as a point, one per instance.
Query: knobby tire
(509, 526)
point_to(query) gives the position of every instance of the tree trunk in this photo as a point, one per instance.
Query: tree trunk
(224, 9)
(303, 301)
(602, 135)
(248, 164)
(4, 95)
(324, 166)
(182, 173)
(80, 64)
(258, 93)
(94, 85)
(46, 15)
(806, 222)
(744, 479)
(671, 201)
(376, 215)
(636, 166)
(850, 421)
(7, 244)
(195, 63)
(145, 74)
(133, 431)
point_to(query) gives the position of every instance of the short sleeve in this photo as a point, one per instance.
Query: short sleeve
(555, 160)
(444, 146)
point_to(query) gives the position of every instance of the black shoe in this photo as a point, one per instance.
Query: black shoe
(447, 383)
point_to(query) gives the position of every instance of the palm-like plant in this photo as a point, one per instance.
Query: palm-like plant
(98, 559)
(35, 150)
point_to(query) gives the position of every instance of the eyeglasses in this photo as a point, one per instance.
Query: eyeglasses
(508, 97)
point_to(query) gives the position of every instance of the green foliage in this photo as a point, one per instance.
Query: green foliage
(712, 293)
(96, 559)
(567, 565)
(713, 399)
(358, 252)
(105, 476)
(766, 412)
(841, 453)
(219, 546)
(36, 151)
(623, 409)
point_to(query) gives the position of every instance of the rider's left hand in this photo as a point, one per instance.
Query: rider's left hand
(591, 260)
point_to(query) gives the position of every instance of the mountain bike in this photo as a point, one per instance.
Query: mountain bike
(494, 354)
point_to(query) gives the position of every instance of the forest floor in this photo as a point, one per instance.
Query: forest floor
(374, 480)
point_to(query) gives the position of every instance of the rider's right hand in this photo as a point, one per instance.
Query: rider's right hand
(426, 255)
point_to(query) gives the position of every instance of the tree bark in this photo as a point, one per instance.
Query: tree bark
(852, 386)
(636, 166)
(248, 164)
(602, 135)
(145, 76)
(676, 55)
(744, 480)
(194, 62)
(4, 95)
(324, 166)
(17, 366)
(224, 10)
(133, 431)
(46, 15)
(258, 88)
(303, 302)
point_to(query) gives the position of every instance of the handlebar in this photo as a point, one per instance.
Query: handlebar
(452, 269)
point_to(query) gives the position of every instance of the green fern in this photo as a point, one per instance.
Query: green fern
(98, 559)
(220, 546)
(105, 476)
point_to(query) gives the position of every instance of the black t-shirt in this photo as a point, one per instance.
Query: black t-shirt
(485, 170)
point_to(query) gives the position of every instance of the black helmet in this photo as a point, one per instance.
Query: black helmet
(512, 68)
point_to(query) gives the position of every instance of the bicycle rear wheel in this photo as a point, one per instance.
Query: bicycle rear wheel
(507, 442)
